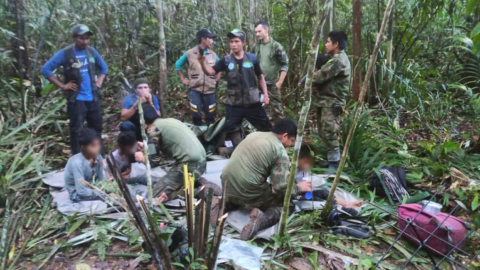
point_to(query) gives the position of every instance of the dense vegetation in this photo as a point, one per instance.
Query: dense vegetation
(422, 112)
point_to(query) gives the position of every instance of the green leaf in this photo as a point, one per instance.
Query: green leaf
(471, 6)
(77, 224)
(82, 266)
(461, 204)
(475, 202)
(46, 90)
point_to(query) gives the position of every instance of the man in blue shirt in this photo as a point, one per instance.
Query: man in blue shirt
(130, 115)
(82, 82)
(201, 87)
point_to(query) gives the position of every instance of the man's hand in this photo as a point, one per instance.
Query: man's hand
(305, 186)
(69, 86)
(98, 84)
(185, 81)
(139, 157)
(126, 173)
(279, 85)
(162, 198)
(266, 101)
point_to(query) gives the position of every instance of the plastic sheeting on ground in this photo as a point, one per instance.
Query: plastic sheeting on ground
(241, 253)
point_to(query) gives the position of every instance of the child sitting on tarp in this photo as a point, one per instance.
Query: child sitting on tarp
(85, 166)
(129, 151)
(305, 162)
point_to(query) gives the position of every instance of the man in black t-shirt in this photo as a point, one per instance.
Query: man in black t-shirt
(244, 78)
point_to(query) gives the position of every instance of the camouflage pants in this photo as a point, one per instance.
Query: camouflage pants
(272, 203)
(329, 129)
(174, 180)
(275, 108)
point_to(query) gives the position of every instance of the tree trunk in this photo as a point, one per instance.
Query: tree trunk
(239, 10)
(358, 109)
(312, 56)
(212, 13)
(357, 47)
(162, 52)
(388, 76)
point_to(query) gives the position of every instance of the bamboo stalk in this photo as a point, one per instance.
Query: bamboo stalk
(312, 56)
(198, 241)
(358, 108)
(166, 213)
(145, 153)
(188, 205)
(162, 247)
(138, 221)
(206, 221)
(216, 244)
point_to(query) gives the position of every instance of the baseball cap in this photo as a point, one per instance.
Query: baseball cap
(237, 33)
(205, 33)
(81, 29)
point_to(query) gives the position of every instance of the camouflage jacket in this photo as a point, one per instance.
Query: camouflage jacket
(260, 156)
(275, 61)
(332, 81)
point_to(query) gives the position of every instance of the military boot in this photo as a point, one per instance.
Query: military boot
(258, 221)
(333, 165)
(333, 158)
(236, 137)
(217, 191)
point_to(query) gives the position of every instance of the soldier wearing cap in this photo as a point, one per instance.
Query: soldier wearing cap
(201, 87)
(244, 82)
(84, 71)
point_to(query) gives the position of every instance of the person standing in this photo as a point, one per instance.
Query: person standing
(274, 63)
(84, 71)
(330, 88)
(244, 78)
(201, 87)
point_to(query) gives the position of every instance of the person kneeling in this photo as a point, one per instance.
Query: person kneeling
(178, 142)
(85, 166)
(260, 156)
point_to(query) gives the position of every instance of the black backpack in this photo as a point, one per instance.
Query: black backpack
(390, 182)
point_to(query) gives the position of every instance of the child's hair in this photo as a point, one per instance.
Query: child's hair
(126, 138)
(305, 152)
(322, 59)
(86, 136)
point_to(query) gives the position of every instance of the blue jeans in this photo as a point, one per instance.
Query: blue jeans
(199, 102)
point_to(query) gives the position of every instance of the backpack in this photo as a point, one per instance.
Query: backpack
(390, 182)
(451, 233)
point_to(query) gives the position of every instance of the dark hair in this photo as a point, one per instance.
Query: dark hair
(322, 59)
(86, 136)
(285, 125)
(340, 37)
(263, 23)
(127, 138)
(200, 39)
(149, 114)
(305, 152)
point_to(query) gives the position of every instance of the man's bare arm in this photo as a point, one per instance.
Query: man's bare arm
(207, 69)
(68, 86)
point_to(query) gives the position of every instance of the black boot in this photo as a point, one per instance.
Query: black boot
(197, 122)
(217, 191)
(258, 221)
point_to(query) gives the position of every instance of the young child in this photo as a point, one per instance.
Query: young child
(128, 152)
(305, 162)
(86, 165)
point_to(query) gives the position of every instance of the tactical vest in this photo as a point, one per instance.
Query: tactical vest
(71, 73)
(242, 87)
(199, 81)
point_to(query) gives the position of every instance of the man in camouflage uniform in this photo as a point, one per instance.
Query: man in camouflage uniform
(330, 89)
(178, 142)
(260, 156)
(274, 64)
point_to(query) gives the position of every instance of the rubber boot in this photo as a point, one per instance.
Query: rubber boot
(258, 221)
(214, 211)
(333, 158)
(236, 138)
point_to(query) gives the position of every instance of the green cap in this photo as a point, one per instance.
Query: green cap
(137, 82)
(237, 33)
(81, 29)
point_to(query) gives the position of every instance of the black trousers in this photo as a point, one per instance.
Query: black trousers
(79, 112)
(255, 114)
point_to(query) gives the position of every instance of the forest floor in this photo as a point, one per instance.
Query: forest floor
(107, 252)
